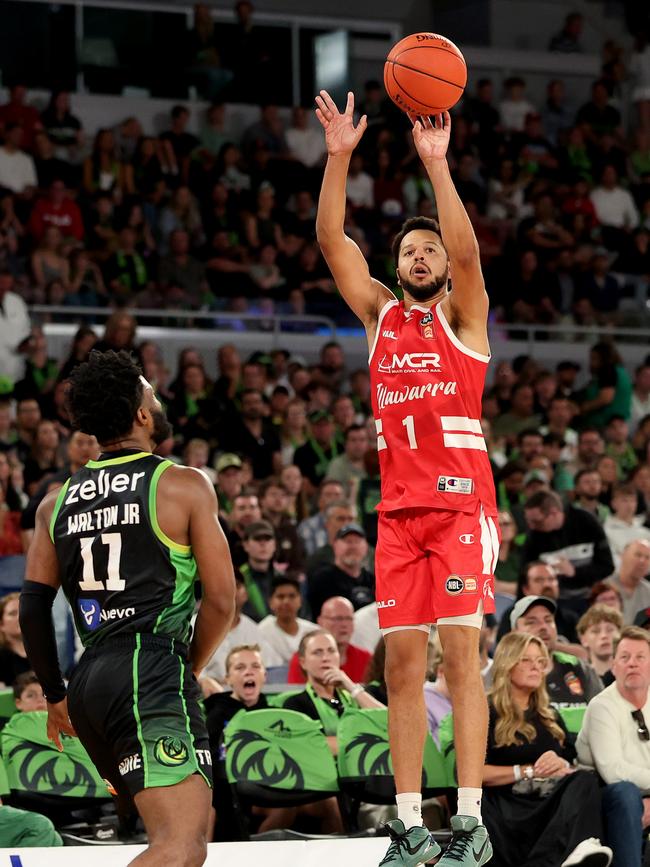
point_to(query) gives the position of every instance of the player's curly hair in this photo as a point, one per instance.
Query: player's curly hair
(104, 395)
(409, 226)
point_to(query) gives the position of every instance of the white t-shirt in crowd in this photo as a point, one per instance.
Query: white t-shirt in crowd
(615, 207)
(307, 145)
(14, 328)
(360, 190)
(17, 171)
(246, 632)
(283, 644)
(513, 113)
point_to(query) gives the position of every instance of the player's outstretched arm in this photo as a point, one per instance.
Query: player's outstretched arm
(212, 554)
(469, 299)
(36, 599)
(344, 258)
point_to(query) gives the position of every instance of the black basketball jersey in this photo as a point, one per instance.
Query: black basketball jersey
(119, 571)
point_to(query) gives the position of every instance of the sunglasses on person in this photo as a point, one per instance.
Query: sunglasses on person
(641, 727)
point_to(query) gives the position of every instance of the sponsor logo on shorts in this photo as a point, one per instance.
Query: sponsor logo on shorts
(457, 584)
(170, 752)
(466, 539)
(91, 612)
(386, 603)
(455, 485)
(130, 763)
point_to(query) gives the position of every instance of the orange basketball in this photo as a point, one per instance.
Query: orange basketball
(425, 73)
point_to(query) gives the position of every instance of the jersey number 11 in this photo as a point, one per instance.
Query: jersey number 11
(113, 581)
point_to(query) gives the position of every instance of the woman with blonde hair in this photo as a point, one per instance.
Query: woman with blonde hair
(539, 810)
(13, 657)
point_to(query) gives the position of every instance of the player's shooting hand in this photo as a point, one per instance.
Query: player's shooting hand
(341, 135)
(431, 135)
(58, 723)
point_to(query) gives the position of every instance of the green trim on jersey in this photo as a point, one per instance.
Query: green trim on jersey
(136, 712)
(153, 514)
(57, 507)
(178, 613)
(110, 462)
(188, 722)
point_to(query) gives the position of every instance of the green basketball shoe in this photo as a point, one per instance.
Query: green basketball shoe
(409, 848)
(469, 845)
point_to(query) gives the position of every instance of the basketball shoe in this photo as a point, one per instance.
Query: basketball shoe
(469, 845)
(409, 848)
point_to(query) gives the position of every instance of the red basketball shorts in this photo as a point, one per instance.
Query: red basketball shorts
(432, 563)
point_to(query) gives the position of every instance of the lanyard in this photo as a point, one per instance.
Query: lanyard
(326, 712)
(255, 596)
(323, 460)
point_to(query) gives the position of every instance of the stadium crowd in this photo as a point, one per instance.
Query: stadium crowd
(560, 200)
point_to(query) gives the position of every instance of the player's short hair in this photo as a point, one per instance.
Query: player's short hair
(411, 225)
(254, 648)
(104, 395)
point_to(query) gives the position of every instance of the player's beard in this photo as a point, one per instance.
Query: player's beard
(162, 429)
(425, 291)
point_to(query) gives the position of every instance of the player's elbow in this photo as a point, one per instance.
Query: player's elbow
(328, 234)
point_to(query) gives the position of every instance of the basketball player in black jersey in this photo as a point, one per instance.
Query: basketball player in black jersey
(126, 537)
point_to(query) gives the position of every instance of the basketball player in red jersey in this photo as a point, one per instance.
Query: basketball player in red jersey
(438, 539)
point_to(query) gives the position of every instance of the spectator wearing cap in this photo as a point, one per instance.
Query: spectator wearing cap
(282, 629)
(570, 682)
(337, 515)
(274, 502)
(245, 511)
(630, 578)
(229, 480)
(599, 629)
(540, 579)
(571, 541)
(258, 568)
(253, 435)
(624, 525)
(314, 457)
(615, 740)
(337, 617)
(312, 530)
(346, 576)
(587, 488)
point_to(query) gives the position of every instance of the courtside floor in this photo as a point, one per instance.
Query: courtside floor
(312, 853)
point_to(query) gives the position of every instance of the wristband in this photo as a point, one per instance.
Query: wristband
(517, 772)
(357, 689)
(528, 772)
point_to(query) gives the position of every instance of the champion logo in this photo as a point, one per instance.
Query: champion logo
(466, 539)
(390, 335)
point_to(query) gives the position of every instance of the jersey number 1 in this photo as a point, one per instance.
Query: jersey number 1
(408, 423)
(113, 581)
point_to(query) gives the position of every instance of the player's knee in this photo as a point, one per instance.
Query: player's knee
(184, 852)
(404, 675)
(196, 852)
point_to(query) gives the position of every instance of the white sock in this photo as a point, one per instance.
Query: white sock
(469, 803)
(409, 808)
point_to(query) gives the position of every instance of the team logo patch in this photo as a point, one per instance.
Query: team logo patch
(426, 324)
(455, 485)
(91, 611)
(427, 319)
(457, 584)
(170, 752)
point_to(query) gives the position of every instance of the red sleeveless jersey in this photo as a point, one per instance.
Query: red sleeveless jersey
(426, 396)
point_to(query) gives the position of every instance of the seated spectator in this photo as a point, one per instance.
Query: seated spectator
(640, 396)
(41, 371)
(520, 416)
(540, 579)
(63, 127)
(253, 435)
(615, 208)
(630, 578)
(350, 466)
(28, 693)
(359, 186)
(617, 436)
(587, 489)
(514, 106)
(624, 526)
(567, 41)
(258, 568)
(603, 593)
(598, 293)
(506, 193)
(48, 262)
(245, 675)
(103, 171)
(191, 412)
(312, 530)
(56, 209)
(571, 541)
(306, 144)
(11, 542)
(330, 691)
(196, 454)
(126, 270)
(599, 117)
(229, 480)
(179, 143)
(537, 809)
(337, 515)
(13, 658)
(614, 739)
(283, 629)
(569, 681)
(87, 286)
(243, 631)
(182, 213)
(44, 457)
(599, 629)
(346, 576)
(274, 502)
(337, 617)
(17, 169)
(17, 112)
(245, 511)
